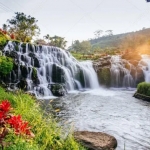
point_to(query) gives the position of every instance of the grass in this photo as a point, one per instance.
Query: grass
(48, 136)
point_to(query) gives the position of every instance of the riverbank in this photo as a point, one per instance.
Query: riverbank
(48, 135)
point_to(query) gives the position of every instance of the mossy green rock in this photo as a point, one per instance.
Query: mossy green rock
(104, 76)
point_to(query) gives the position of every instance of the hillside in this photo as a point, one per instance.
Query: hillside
(116, 40)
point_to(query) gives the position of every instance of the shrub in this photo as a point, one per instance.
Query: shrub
(6, 65)
(3, 41)
(144, 88)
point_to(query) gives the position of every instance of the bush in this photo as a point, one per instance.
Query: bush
(144, 88)
(6, 65)
(3, 41)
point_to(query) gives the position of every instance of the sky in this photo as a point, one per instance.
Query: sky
(79, 19)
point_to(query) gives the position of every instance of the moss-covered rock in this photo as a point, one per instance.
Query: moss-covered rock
(104, 76)
(35, 76)
(80, 77)
(144, 88)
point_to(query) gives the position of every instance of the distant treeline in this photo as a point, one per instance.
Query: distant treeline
(111, 44)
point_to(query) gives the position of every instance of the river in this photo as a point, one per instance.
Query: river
(113, 111)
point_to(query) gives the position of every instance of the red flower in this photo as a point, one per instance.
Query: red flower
(14, 121)
(12, 36)
(20, 126)
(5, 106)
(1, 115)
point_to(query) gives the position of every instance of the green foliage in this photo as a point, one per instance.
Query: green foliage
(56, 41)
(84, 46)
(104, 76)
(78, 56)
(131, 40)
(6, 65)
(48, 136)
(34, 73)
(144, 88)
(24, 27)
(3, 41)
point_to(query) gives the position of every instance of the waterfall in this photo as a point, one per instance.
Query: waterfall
(121, 72)
(41, 66)
(145, 65)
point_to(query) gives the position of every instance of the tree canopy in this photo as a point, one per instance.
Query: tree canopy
(56, 41)
(24, 27)
(84, 46)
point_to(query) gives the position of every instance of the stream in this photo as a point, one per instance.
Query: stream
(113, 111)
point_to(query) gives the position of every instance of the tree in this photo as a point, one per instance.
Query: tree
(4, 27)
(76, 45)
(83, 46)
(98, 33)
(24, 27)
(109, 32)
(58, 41)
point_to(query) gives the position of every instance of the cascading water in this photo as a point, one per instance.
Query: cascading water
(40, 66)
(145, 65)
(121, 76)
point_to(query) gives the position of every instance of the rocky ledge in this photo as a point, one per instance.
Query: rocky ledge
(96, 140)
(141, 96)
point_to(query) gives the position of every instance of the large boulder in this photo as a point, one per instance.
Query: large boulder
(96, 140)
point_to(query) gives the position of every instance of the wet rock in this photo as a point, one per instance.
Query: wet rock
(106, 63)
(36, 62)
(57, 89)
(22, 84)
(14, 54)
(96, 140)
(58, 74)
(23, 47)
(31, 47)
(80, 77)
(134, 62)
(139, 75)
(32, 55)
(34, 76)
(24, 71)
